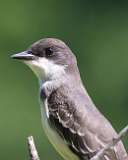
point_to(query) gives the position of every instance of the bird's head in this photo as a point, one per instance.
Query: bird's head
(49, 58)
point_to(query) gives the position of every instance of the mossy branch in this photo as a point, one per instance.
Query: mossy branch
(33, 154)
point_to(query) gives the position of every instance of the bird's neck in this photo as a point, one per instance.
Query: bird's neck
(50, 85)
(47, 86)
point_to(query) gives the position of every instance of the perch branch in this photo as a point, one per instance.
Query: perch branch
(114, 141)
(33, 154)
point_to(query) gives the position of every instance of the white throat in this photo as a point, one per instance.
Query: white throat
(47, 71)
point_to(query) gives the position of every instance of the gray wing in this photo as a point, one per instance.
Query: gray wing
(72, 126)
(62, 120)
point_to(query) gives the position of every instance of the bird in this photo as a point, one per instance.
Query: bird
(70, 119)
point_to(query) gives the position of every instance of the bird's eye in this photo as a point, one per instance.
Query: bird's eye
(48, 52)
(29, 52)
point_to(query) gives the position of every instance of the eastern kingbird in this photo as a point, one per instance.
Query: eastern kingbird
(70, 119)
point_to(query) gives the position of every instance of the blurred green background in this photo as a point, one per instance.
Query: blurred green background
(96, 31)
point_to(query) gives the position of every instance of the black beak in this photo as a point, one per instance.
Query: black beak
(26, 55)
